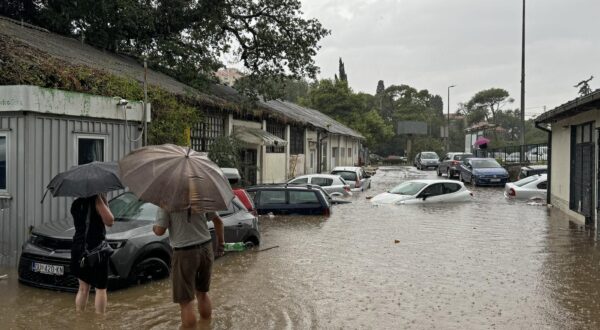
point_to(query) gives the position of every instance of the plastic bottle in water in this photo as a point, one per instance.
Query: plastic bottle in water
(237, 247)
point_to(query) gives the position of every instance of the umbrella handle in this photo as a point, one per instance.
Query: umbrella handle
(44, 197)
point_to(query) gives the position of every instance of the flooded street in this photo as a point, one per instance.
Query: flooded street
(492, 263)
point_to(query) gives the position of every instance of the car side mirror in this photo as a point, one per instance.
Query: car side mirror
(425, 195)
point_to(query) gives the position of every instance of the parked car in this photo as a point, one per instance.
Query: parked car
(450, 164)
(426, 159)
(483, 171)
(234, 178)
(532, 170)
(356, 177)
(425, 191)
(514, 157)
(334, 185)
(139, 254)
(534, 186)
(290, 200)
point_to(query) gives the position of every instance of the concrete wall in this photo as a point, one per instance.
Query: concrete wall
(296, 165)
(39, 147)
(561, 159)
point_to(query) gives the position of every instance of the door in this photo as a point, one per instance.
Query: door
(248, 160)
(582, 171)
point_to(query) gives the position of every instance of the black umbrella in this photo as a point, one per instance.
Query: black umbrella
(86, 180)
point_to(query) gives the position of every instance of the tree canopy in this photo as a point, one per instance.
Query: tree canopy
(488, 102)
(188, 38)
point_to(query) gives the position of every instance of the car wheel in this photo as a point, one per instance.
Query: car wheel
(148, 269)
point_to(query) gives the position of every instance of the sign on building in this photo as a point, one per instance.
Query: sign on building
(411, 128)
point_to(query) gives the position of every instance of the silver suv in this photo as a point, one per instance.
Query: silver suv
(139, 254)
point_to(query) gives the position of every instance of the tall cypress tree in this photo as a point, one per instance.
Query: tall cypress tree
(380, 87)
(343, 76)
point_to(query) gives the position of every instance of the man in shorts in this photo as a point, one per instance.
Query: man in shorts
(192, 260)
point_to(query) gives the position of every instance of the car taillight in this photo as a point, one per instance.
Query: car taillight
(512, 192)
(347, 188)
(327, 212)
(254, 213)
(455, 162)
(357, 183)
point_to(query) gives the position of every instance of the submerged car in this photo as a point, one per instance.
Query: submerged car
(355, 176)
(483, 171)
(532, 170)
(427, 160)
(139, 254)
(290, 200)
(450, 164)
(425, 191)
(534, 186)
(334, 185)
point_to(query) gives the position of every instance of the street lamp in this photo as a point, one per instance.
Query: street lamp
(448, 127)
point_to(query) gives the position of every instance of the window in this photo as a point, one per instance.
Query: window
(303, 197)
(312, 159)
(204, 134)
(323, 182)
(3, 154)
(272, 197)
(90, 149)
(128, 207)
(349, 152)
(296, 140)
(279, 131)
(346, 175)
(435, 189)
(300, 181)
(451, 188)
(543, 185)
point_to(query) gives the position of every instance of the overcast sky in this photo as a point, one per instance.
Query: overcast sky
(474, 44)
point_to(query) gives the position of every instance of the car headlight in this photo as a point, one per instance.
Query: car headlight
(32, 238)
(117, 244)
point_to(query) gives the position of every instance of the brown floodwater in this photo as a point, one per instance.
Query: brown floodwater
(492, 263)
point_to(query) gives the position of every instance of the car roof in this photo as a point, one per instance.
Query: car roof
(535, 167)
(330, 176)
(430, 181)
(346, 168)
(481, 158)
(284, 186)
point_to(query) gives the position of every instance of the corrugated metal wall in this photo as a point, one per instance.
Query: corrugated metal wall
(40, 146)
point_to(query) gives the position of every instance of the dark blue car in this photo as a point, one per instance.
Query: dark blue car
(483, 172)
(290, 199)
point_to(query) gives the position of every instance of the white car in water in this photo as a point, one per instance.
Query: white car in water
(425, 191)
(534, 186)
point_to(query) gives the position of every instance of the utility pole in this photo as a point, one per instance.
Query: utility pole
(145, 127)
(448, 126)
(522, 137)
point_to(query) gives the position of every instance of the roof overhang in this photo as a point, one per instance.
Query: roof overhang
(257, 136)
(579, 105)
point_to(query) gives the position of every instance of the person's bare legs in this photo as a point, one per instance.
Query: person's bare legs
(204, 305)
(101, 301)
(82, 296)
(188, 315)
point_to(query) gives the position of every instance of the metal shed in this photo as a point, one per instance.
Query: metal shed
(46, 131)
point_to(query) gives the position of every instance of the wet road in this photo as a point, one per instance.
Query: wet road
(489, 264)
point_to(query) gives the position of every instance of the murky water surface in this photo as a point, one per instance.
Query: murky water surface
(489, 264)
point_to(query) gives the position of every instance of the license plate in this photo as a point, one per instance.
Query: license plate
(495, 180)
(47, 268)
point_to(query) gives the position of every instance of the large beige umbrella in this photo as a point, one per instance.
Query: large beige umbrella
(176, 178)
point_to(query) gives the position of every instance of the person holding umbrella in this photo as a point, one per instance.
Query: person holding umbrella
(189, 189)
(89, 253)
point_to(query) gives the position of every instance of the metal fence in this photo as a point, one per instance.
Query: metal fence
(534, 154)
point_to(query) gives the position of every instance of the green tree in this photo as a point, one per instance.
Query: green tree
(225, 152)
(342, 70)
(380, 87)
(187, 38)
(489, 102)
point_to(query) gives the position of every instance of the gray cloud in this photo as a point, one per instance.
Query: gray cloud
(475, 44)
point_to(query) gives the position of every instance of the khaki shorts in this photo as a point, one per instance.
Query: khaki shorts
(191, 271)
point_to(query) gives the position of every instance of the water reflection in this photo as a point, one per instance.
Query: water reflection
(492, 263)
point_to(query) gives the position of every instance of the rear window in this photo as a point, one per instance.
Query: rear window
(429, 155)
(346, 175)
(525, 181)
(303, 197)
(272, 197)
(323, 182)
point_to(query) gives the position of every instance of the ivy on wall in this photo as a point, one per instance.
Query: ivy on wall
(171, 114)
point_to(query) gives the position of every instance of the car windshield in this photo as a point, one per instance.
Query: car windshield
(429, 155)
(408, 188)
(128, 207)
(485, 163)
(346, 175)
